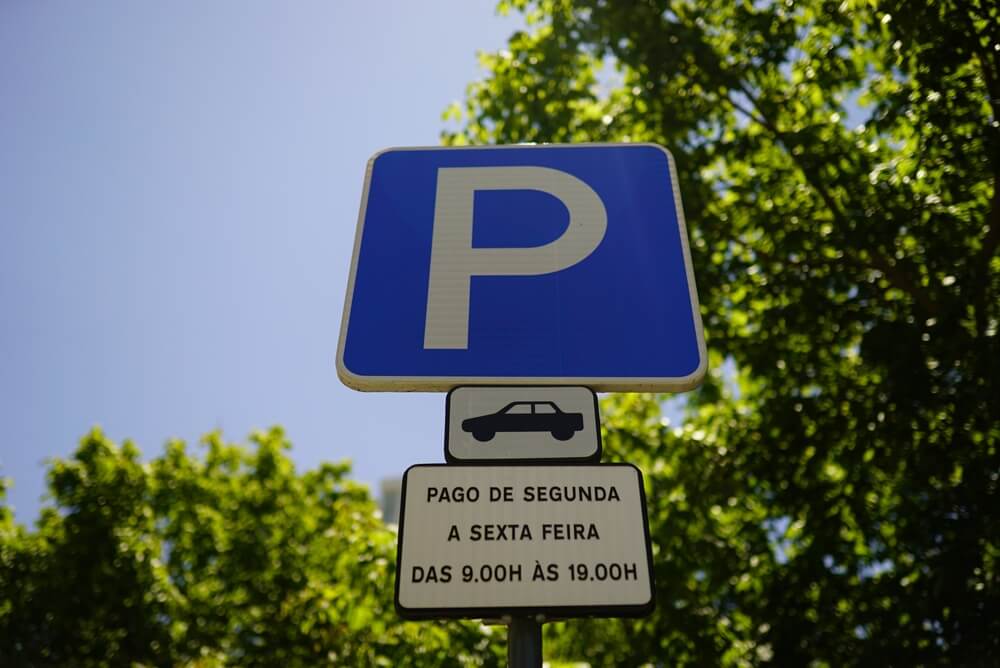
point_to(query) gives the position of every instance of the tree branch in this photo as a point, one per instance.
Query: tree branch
(898, 278)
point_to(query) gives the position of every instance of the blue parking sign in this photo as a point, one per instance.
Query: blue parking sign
(522, 265)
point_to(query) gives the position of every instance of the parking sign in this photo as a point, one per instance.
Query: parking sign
(551, 264)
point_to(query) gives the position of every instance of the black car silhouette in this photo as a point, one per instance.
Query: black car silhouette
(525, 416)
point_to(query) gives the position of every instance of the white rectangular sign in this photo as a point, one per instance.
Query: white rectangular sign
(505, 424)
(484, 541)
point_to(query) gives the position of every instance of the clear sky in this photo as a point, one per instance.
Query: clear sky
(179, 188)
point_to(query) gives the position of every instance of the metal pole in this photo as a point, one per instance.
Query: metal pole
(524, 643)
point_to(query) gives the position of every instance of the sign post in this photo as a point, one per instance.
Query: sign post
(524, 643)
(520, 279)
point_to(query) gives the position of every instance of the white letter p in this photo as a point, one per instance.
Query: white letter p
(454, 261)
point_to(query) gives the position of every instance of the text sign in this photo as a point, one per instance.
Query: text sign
(501, 424)
(484, 541)
(553, 264)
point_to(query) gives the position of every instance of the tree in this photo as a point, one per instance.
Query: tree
(231, 559)
(833, 499)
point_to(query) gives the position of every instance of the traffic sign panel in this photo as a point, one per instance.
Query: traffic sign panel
(504, 424)
(552, 264)
(487, 541)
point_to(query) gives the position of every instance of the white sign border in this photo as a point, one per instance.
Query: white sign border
(548, 612)
(374, 383)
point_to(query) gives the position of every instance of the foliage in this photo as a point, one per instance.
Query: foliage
(832, 501)
(230, 559)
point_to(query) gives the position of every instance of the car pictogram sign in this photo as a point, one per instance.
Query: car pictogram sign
(502, 423)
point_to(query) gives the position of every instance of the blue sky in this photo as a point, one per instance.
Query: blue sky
(179, 187)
